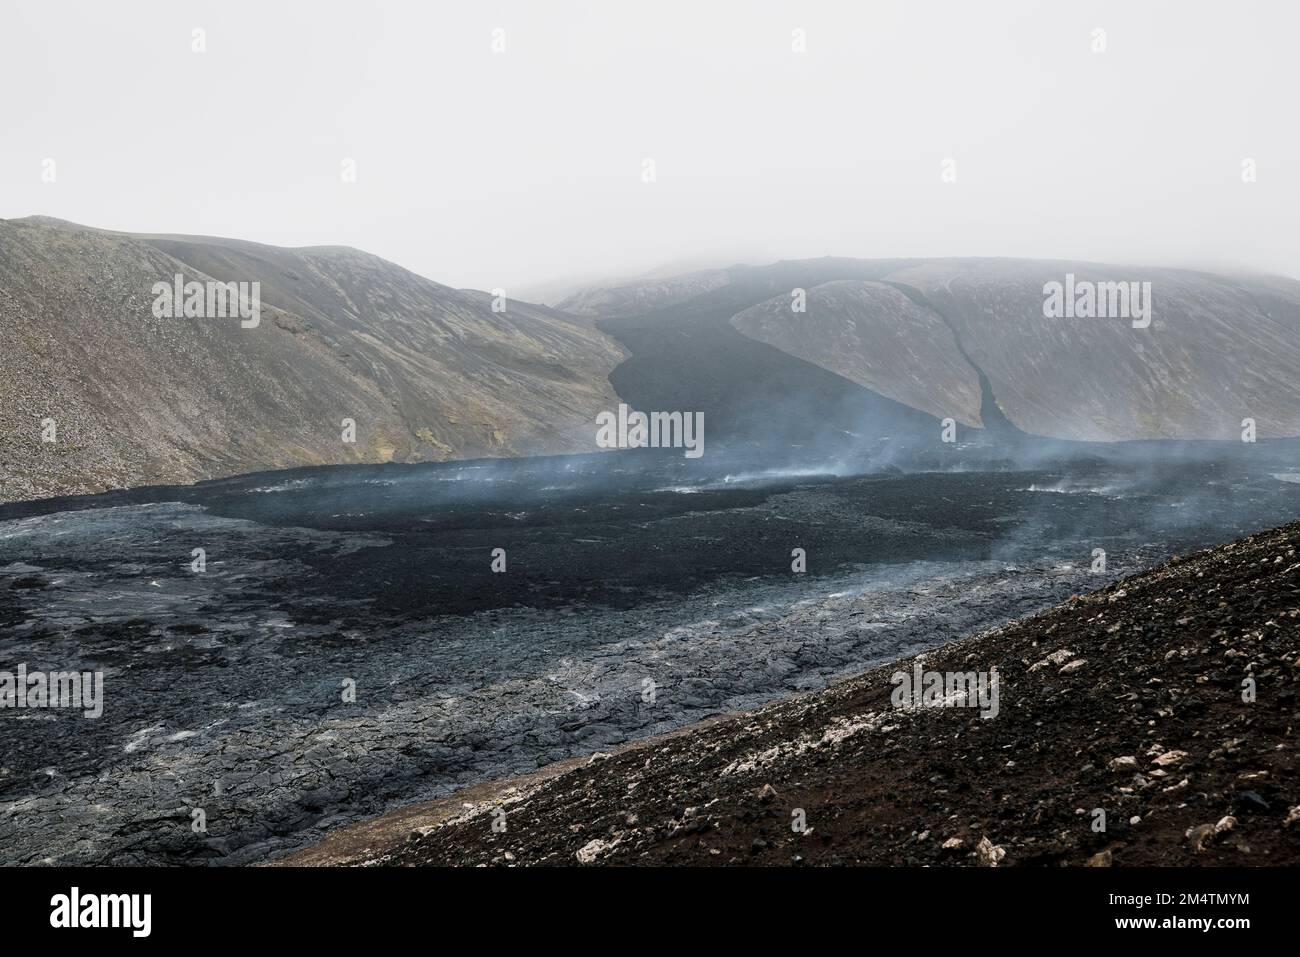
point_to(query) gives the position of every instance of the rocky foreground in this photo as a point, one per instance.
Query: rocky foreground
(1166, 701)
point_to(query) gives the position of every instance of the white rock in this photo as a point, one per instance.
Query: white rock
(989, 853)
(592, 850)
(1055, 658)
(1170, 757)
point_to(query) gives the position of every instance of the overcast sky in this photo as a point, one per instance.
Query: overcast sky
(486, 169)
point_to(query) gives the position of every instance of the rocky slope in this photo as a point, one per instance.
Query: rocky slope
(935, 334)
(1129, 700)
(427, 372)
(872, 334)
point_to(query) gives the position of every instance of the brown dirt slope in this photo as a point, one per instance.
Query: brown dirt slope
(1128, 699)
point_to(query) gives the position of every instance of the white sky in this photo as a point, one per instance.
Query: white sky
(482, 169)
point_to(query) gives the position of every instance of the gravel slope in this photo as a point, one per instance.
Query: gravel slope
(426, 372)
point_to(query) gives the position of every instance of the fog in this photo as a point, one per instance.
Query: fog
(525, 169)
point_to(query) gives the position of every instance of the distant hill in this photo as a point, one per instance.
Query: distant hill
(960, 338)
(426, 372)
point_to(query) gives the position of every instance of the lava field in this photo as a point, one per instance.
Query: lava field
(348, 648)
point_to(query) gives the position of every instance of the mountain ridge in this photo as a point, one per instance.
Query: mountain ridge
(883, 353)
